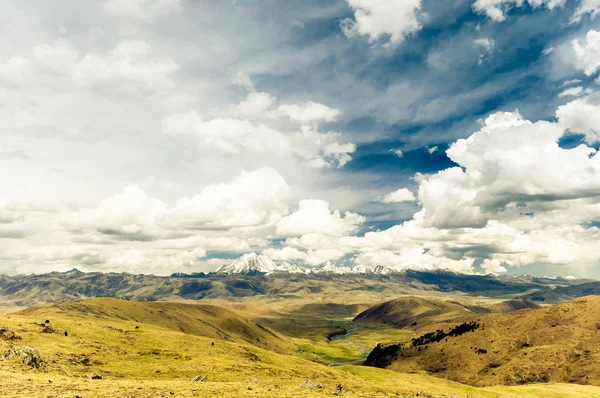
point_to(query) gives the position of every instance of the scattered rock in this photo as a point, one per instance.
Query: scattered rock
(93, 376)
(81, 360)
(309, 384)
(66, 334)
(28, 356)
(200, 378)
(8, 335)
(48, 329)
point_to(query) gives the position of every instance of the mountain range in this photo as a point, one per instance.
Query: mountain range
(253, 263)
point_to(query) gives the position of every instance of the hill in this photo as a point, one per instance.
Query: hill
(417, 311)
(26, 290)
(200, 320)
(138, 355)
(548, 344)
(410, 311)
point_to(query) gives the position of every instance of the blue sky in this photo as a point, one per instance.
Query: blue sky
(173, 135)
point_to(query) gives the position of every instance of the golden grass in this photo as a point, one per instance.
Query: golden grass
(157, 360)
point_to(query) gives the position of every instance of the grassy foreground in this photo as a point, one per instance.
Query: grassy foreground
(158, 360)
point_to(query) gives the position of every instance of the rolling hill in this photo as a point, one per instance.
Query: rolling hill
(411, 311)
(417, 311)
(549, 344)
(115, 348)
(23, 291)
(201, 320)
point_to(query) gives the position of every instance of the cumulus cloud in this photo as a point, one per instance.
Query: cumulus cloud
(309, 112)
(131, 215)
(130, 68)
(582, 116)
(587, 52)
(251, 200)
(399, 196)
(585, 7)
(516, 198)
(254, 126)
(571, 92)
(394, 19)
(314, 216)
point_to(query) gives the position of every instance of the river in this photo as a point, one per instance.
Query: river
(352, 329)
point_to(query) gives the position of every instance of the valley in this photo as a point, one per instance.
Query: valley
(285, 335)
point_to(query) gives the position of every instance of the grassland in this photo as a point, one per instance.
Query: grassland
(142, 352)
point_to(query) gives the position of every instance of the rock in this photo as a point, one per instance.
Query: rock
(93, 376)
(200, 378)
(8, 335)
(309, 384)
(48, 329)
(28, 356)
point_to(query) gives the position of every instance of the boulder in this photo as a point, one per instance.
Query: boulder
(8, 335)
(29, 356)
(93, 376)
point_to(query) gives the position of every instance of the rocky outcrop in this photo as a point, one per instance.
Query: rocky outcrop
(29, 356)
(8, 335)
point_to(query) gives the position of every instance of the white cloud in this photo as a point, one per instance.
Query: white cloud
(131, 214)
(571, 92)
(397, 152)
(230, 134)
(517, 198)
(143, 10)
(394, 18)
(242, 79)
(587, 52)
(308, 112)
(488, 46)
(314, 216)
(571, 82)
(497, 9)
(399, 196)
(130, 68)
(587, 7)
(582, 116)
(493, 266)
(225, 135)
(253, 199)
(432, 149)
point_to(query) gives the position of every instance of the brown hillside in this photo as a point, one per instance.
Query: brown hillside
(411, 311)
(549, 344)
(201, 320)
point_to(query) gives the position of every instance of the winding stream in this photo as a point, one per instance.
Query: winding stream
(352, 329)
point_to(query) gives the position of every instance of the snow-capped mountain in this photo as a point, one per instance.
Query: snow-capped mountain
(254, 263)
(293, 269)
(247, 264)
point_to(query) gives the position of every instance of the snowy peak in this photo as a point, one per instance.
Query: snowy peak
(249, 264)
(253, 263)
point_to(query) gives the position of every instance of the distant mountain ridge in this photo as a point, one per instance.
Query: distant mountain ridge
(252, 263)
(25, 290)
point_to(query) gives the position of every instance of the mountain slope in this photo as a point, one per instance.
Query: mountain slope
(200, 320)
(410, 311)
(556, 343)
(154, 361)
(249, 264)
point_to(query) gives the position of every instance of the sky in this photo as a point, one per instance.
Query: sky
(161, 136)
